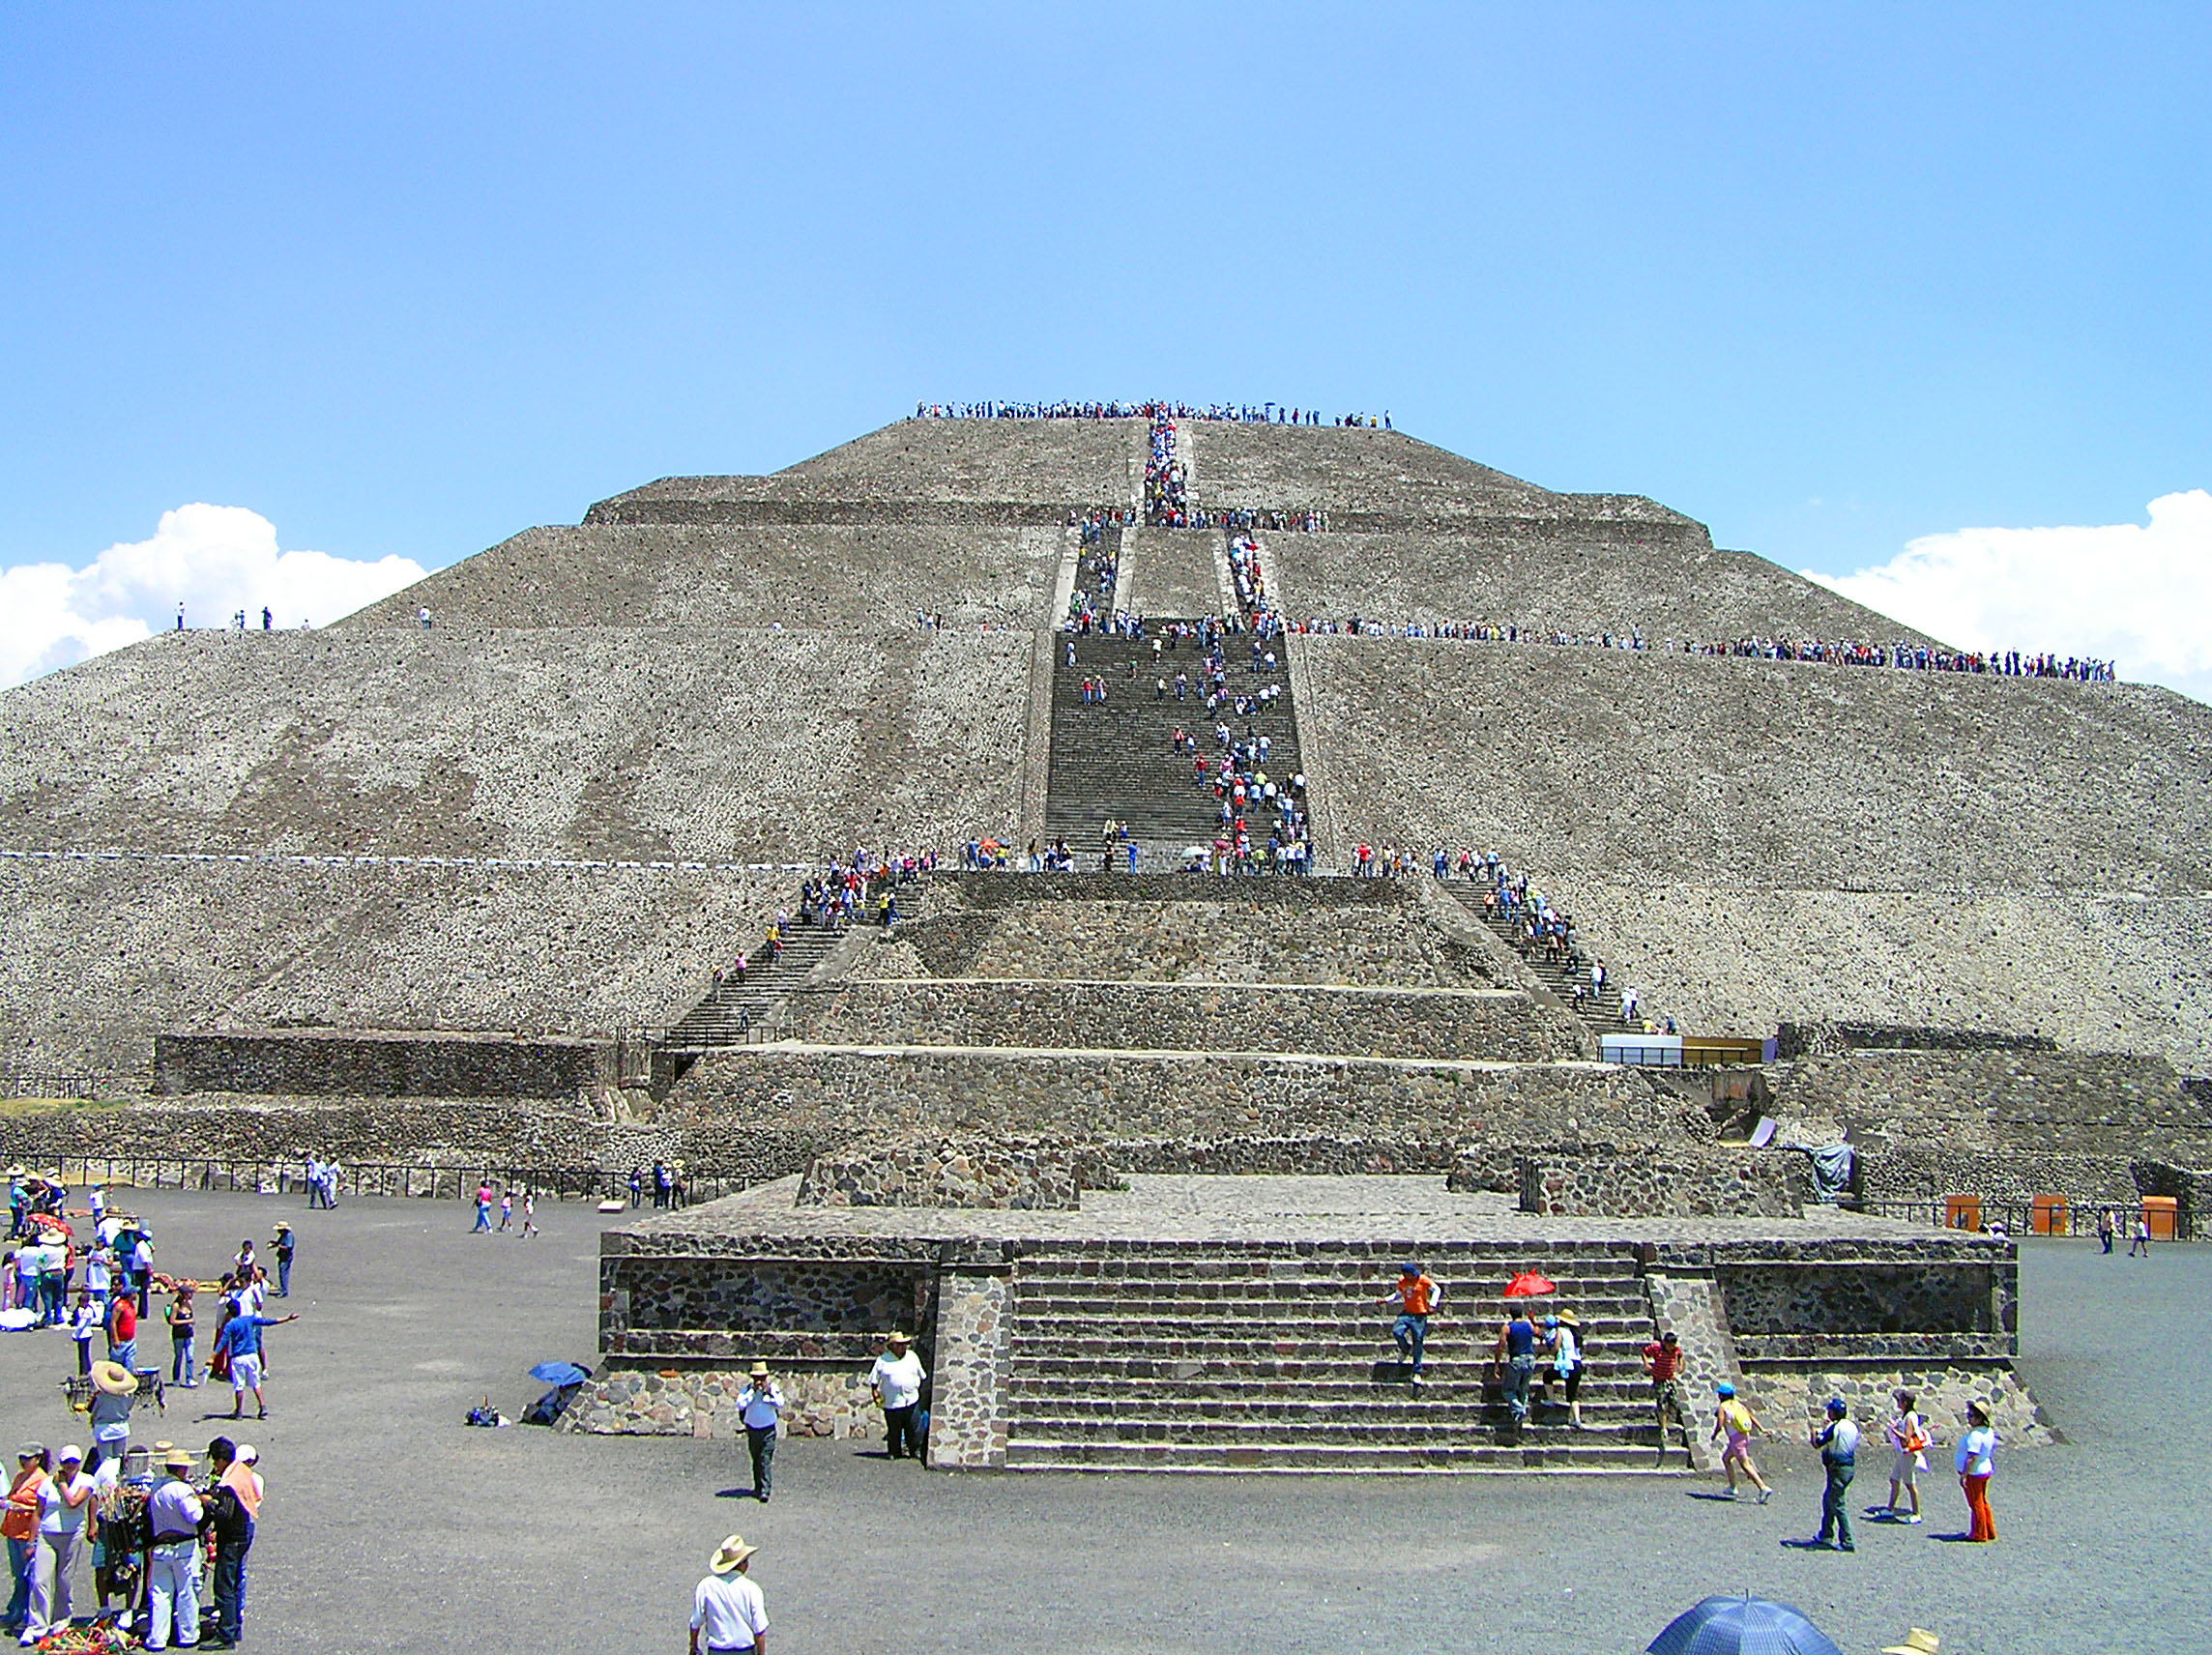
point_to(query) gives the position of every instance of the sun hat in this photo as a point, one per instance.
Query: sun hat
(177, 1460)
(29, 1450)
(114, 1379)
(759, 1371)
(1570, 1319)
(730, 1554)
(896, 1336)
(1916, 1642)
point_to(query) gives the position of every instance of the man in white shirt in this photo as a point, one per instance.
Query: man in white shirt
(173, 1570)
(727, 1608)
(760, 1405)
(895, 1382)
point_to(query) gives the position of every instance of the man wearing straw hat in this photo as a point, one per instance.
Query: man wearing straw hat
(728, 1608)
(760, 1405)
(895, 1383)
(173, 1572)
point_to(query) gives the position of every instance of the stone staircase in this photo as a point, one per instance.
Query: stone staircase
(1116, 762)
(1250, 1357)
(1563, 975)
(734, 1012)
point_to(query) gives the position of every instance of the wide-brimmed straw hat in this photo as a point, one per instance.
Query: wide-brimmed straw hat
(1570, 1319)
(177, 1460)
(730, 1554)
(896, 1337)
(114, 1379)
(1916, 1642)
(759, 1371)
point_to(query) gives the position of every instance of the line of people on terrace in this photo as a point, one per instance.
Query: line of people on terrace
(1219, 413)
(1903, 656)
(1251, 803)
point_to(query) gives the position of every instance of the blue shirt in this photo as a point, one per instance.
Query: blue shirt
(1519, 1339)
(241, 1336)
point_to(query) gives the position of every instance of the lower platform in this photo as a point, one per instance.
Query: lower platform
(1214, 1324)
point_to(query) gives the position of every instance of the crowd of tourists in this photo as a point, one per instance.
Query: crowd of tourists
(152, 1530)
(1903, 656)
(1165, 477)
(1227, 412)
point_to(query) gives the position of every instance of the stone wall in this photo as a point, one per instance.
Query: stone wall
(1756, 841)
(697, 1401)
(766, 1110)
(326, 1062)
(1500, 1026)
(471, 1133)
(967, 1420)
(1207, 931)
(1826, 1039)
(1664, 1183)
(959, 1172)
(2006, 1125)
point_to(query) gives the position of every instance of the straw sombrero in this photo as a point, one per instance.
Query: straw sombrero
(114, 1379)
(730, 1554)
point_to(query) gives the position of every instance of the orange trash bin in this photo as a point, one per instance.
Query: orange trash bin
(2049, 1215)
(2163, 1212)
(1961, 1212)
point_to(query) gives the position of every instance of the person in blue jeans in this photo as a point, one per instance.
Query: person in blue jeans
(283, 1237)
(1418, 1297)
(1515, 1359)
(1837, 1441)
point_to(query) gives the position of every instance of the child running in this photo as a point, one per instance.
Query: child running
(1741, 1425)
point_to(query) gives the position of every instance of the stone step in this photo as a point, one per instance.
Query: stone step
(1132, 1420)
(1037, 1453)
(1173, 1320)
(1235, 1360)
(1383, 1398)
(1225, 1255)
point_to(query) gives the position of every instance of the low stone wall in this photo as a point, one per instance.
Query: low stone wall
(426, 1131)
(329, 1062)
(1664, 1184)
(960, 1173)
(1498, 1026)
(1789, 1399)
(764, 1111)
(2004, 1124)
(1826, 1039)
(703, 1402)
(1309, 1157)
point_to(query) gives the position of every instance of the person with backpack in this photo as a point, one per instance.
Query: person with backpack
(1741, 1425)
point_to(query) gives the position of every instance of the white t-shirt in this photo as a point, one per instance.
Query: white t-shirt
(57, 1518)
(1977, 1452)
(898, 1379)
(728, 1612)
(760, 1405)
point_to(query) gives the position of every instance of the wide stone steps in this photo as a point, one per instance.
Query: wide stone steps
(1381, 1390)
(1114, 762)
(1118, 1418)
(1572, 1451)
(1259, 1318)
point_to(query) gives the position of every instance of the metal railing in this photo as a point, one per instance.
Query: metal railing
(452, 1182)
(2023, 1218)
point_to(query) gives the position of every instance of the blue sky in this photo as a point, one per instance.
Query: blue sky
(404, 280)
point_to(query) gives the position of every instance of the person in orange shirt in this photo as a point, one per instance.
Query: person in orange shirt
(1418, 1297)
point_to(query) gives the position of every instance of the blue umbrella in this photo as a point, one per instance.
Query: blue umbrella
(1742, 1626)
(559, 1374)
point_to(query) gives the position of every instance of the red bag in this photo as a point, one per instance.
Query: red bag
(220, 1367)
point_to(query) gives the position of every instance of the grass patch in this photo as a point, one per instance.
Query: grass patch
(18, 1108)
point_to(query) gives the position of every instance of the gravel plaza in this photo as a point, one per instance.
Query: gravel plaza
(391, 1526)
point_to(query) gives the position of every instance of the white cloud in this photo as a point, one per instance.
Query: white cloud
(2139, 595)
(214, 559)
